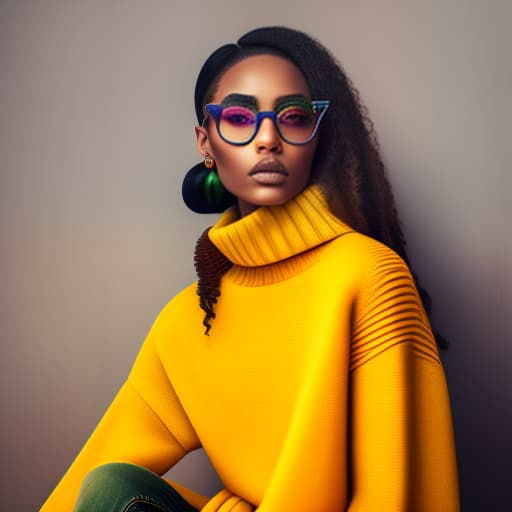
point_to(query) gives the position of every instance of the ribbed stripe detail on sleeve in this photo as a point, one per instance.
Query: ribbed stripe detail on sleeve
(390, 312)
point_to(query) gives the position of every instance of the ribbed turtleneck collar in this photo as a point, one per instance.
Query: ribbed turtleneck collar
(274, 233)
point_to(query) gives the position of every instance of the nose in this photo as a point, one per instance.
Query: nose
(267, 139)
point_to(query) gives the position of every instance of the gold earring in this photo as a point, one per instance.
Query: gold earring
(209, 162)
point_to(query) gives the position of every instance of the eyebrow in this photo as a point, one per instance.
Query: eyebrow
(292, 99)
(240, 100)
(250, 101)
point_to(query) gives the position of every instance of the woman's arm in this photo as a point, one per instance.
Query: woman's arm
(402, 446)
(145, 425)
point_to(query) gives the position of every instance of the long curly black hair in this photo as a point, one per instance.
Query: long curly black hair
(348, 165)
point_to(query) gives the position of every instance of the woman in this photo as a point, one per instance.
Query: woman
(318, 386)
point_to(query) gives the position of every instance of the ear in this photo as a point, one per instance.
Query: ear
(203, 142)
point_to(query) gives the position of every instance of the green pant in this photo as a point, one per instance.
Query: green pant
(122, 487)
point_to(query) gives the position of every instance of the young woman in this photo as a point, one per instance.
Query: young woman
(306, 368)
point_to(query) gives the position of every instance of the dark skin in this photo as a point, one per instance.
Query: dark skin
(268, 171)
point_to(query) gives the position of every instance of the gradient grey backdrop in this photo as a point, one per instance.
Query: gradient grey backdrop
(97, 132)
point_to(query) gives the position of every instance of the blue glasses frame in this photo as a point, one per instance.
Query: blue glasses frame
(319, 106)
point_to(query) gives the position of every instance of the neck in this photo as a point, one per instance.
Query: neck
(245, 208)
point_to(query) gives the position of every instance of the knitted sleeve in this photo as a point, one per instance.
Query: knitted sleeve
(145, 425)
(402, 447)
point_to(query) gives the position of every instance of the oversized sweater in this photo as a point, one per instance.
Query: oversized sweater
(319, 388)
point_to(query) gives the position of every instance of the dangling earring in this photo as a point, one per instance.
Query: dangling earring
(209, 162)
(213, 187)
(202, 190)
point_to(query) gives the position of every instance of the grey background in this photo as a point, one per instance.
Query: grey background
(97, 132)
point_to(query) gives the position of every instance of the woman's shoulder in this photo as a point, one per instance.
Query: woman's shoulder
(364, 254)
(178, 303)
(183, 295)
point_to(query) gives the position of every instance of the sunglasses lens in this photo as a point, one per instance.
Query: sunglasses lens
(296, 123)
(237, 123)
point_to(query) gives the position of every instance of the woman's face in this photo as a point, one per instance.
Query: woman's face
(268, 171)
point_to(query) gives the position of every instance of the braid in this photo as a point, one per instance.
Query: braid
(210, 266)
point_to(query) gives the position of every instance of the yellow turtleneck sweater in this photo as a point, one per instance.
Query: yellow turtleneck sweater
(319, 389)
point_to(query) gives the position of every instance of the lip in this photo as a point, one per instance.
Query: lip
(269, 178)
(269, 171)
(269, 166)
